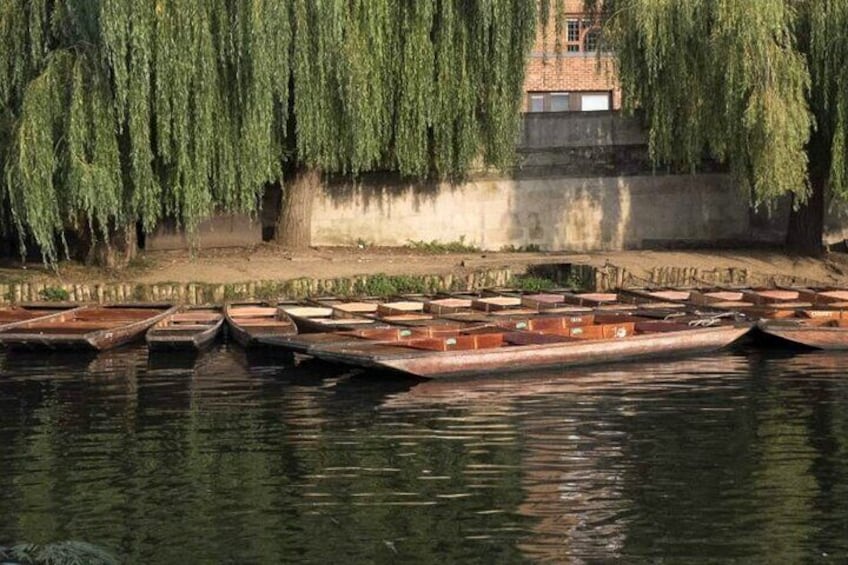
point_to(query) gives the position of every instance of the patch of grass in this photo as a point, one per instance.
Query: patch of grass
(382, 285)
(54, 294)
(269, 290)
(531, 283)
(231, 292)
(436, 246)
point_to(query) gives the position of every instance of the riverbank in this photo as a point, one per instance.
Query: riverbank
(266, 270)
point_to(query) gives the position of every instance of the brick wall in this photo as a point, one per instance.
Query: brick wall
(568, 72)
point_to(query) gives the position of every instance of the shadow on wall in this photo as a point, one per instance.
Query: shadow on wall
(375, 189)
(569, 214)
(633, 212)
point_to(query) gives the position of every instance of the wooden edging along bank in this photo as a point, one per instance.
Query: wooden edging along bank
(207, 293)
(608, 277)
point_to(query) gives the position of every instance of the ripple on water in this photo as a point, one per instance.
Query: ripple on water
(229, 457)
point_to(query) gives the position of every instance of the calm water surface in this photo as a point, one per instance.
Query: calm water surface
(238, 460)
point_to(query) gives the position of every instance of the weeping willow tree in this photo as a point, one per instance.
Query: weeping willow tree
(119, 113)
(761, 85)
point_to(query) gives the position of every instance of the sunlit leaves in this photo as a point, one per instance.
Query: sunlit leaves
(721, 78)
(121, 112)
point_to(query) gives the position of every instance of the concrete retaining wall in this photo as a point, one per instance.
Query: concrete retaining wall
(559, 213)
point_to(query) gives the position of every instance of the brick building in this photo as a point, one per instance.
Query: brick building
(575, 79)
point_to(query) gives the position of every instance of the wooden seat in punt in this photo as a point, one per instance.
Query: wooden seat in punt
(445, 351)
(250, 321)
(191, 328)
(88, 327)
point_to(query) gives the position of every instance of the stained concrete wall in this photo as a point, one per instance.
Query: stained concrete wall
(575, 214)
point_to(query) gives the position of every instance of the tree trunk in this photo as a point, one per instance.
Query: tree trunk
(806, 224)
(121, 249)
(294, 223)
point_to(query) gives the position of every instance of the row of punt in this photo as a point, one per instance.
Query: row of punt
(456, 334)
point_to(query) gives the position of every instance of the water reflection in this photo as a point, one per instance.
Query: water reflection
(238, 458)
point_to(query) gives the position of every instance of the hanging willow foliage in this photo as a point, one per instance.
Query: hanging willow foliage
(761, 85)
(117, 112)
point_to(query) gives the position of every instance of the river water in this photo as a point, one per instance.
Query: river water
(233, 459)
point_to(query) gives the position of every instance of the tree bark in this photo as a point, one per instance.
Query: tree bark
(294, 222)
(120, 250)
(806, 224)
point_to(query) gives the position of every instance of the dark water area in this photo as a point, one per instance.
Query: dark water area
(234, 459)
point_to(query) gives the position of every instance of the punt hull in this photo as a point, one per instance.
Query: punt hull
(22, 336)
(435, 364)
(253, 336)
(829, 338)
(166, 337)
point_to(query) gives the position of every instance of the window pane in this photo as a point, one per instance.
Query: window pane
(573, 48)
(594, 102)
(559, 102)
(590, 42)
(537, 103)
(572, 30)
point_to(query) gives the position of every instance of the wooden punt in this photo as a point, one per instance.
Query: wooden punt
(568, 302)
(191, 328)
(250, 321)
(88, 327)
(818, 331)
(12, 315)
(316, 319)
(753, 303)
(426, 352)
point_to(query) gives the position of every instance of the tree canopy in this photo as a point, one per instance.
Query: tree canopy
(759, 84)
(115, 111)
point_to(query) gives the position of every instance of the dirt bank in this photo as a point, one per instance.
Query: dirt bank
(268, 262)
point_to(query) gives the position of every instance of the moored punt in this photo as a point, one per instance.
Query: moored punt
(88, 327)
(250, 321)
(427, 352)
(576, 303)
(753, 303)
(11, 315)
(406, 312)
(191, 328)
(830, 298)
(818, 331)
(316, 319)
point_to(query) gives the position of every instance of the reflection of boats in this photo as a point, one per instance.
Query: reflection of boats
(562, 341)
(87, 327)
(250, 321)
(700, 371)
(190, 328)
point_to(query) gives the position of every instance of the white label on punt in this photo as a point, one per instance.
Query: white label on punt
(405, 333)
(450, 341)
(576, 331)
(620, 332)
(576, 319)
(521, 325)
